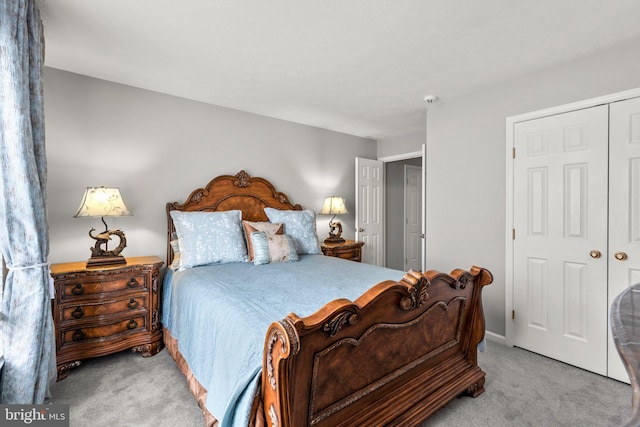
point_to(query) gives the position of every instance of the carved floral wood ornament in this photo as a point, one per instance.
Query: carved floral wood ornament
(347, 317)
(417, 291)
(417, 296)
(242, 180)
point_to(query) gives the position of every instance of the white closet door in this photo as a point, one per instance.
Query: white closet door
(560, 221)
(624, 209)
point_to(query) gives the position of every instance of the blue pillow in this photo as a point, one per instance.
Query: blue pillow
(260, 245)
(301, 226)
(209, 237)
(272, 248)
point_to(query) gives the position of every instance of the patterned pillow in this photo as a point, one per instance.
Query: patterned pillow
(301, 226)
(260, 245)
(274, 248)
(175, 245)
(282, 248)
(209, 237)
(268, 227)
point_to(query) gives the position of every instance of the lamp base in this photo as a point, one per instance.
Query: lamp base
(334, 240)
(100, 261)
(100, 256)
(334, 237)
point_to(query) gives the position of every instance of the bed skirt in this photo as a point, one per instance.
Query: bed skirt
(199, 392)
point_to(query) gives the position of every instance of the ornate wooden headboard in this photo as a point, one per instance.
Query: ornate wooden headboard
(227, 192)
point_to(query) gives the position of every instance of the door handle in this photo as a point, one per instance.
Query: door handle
(595, 253)
(359, 230)
(620, 256)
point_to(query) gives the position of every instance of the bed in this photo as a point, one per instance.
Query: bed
(303, 339)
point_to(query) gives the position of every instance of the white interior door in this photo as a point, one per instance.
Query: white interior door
(412, 218)
(370, 209)
(624, 209)
(560, 175)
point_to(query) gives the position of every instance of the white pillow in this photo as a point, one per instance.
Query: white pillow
(209, 237)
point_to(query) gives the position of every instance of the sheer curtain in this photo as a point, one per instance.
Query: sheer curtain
(27, 350)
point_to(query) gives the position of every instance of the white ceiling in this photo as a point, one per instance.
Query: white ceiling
(360, 67)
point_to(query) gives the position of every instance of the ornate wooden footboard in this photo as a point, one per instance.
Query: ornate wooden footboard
(393, 357)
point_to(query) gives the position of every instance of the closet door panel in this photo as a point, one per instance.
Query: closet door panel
(624, 209)
(560, 218)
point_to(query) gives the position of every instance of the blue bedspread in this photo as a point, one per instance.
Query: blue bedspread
(220, 315)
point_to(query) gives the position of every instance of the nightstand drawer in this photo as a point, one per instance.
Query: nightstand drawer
(350, 250)
(349, 254)
(106, 330)
(89, 310)
(88, 288)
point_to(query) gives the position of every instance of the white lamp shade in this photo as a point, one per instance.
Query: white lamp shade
(102, 201)
(333, 206)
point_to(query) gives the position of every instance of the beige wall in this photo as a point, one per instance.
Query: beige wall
(466, 155)
(157, 148)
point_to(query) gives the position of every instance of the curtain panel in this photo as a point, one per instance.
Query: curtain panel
(27, 350)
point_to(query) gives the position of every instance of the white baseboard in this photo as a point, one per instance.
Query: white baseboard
(495, 337)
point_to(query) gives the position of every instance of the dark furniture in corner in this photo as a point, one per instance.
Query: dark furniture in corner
(102, 310)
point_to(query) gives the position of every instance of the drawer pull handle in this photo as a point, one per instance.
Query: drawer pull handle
(78, 289)
(78, 335)
(78, 313)
(132, 282)
(132, 324)
(132, 304)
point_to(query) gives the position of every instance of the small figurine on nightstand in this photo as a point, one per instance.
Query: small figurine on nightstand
(333, 236)
(334, 206)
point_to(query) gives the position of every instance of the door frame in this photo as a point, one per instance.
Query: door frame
(405, 156)
(510, 129)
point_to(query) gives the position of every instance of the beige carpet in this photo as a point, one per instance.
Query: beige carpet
(522, 389)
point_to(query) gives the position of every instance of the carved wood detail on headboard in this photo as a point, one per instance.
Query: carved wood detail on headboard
(228, 192)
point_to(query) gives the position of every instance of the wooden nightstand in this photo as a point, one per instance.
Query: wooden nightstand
(350, 249)
(102, 310)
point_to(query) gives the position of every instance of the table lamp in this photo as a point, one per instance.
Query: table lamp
(102, 202)
(334, 206)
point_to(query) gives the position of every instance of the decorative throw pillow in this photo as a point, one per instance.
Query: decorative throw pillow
(301, 226)
(274, 248)
(260, 245)
(282, 248)
(175, 245)
(209, 237)
(271, 229)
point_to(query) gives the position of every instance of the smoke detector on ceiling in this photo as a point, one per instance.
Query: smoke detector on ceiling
(430, 99)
